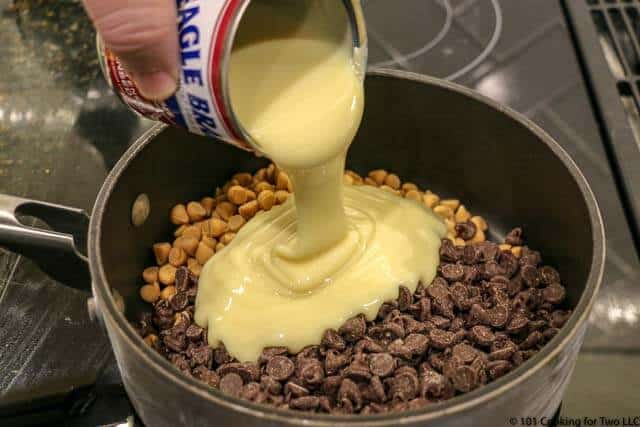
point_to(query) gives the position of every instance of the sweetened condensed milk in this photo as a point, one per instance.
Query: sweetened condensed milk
(331, 251)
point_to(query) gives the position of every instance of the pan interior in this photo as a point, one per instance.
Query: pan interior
(440, 139)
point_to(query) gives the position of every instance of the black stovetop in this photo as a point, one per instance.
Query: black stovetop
(61, 130)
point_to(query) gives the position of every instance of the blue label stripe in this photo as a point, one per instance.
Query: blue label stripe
(172, 104)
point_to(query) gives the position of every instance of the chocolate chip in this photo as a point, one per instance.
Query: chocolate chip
(452, 272)
(179, 301)
(331, 385)
(550, 333)
(439, 322)
(182, 282)
(440, 339)
(416, 344)
(488, 251)
(471, 254)
(294, 390)
(200, 354)
(412, 326)
(207, 376)
(280, 368)
(498, 368)
(270, 384)
(559, 318)
(514, 237)
(530, 276)
(530, 257)
(349, 394)
(269, 352)
(422, 309)
(180, 362)
(250, 391)
(248, 371)
(448, 251)
(498, 316)
(517, 324)
(376, 390)
(531, 341)
(324, 404)
(465, 352)
(482, 335)
(332, 339)
(554, 294)
(548, 275)
(353, 329)
(221, 356)
(464, 379)
(466, 230)
(357, 371)
(311, 372)
(381, 364)
(176, 342)
(404, 298)
(387, 331)
(433, 385)
(334, 361)
(231, 384)
(305, 403)
(405, 384)
(194, 333)
(368, 345)
(502, 350)
(508, 263)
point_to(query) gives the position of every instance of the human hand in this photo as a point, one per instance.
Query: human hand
(143, 34)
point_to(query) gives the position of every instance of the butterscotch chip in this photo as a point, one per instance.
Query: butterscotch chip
(219, 247)
(216, 227)
(177, 257)
(479, 237)
(227, 238)
(187, 244)
(517, 251)
(236, 222)
(208, 203)
(452, 203)
(271, 172)
(179, 215)
(226, 210)
(196, 269)
(150, 293)
(413, 195)
(167, 274)
(243, 178)
(251, 195)
(282, 182)
(191, 261)
(192, 231)
(409, 186)
(260, 175)
(347, 179)
(161, 252)
(443, 211)
(431, 200)
(281, 196)
(151, 339)
(263, 186)
(393, 181)
(371, 182)
(237, 195)
(378, 176)
(203, 253)
(266, 200)
(505, 247)
(209, 241)
(168, 292)
(249, 209)
(228, 185)
(196, 211)
(462, 214)
(180, 230)
(150, 274)
(480, 223)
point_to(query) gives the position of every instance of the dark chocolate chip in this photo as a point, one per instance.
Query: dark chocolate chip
(452, 272)
(548, 275)
(349, 392)
(332, 339)
(353, 329)
(280, 368)
(269, 352)
(498, 368)
(465, 352)
(514, 237)
(464, 379)
(231, 384)
(466, 230)
(405, 298)
(482, 335)
(207, 376)
(381, 364)
(441, 339)
(554, 293)
(305, 403)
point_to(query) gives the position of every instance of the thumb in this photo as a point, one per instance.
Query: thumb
(143, 34)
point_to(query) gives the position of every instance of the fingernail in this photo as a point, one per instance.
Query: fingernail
(156, 86)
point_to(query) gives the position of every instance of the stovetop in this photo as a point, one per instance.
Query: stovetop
(61, 130)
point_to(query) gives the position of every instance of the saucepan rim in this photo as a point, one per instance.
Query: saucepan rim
(109, 308)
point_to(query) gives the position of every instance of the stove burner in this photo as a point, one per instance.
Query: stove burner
(443, 48)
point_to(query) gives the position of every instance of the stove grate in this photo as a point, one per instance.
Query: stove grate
(606, 34)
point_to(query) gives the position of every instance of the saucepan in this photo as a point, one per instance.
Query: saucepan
(437, 134)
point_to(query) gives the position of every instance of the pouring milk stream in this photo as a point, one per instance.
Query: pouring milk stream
(332, 251)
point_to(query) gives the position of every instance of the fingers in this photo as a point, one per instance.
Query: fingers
(143, 34)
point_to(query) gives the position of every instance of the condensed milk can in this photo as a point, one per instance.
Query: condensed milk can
(206, 32)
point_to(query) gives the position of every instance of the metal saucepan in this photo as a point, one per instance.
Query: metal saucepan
(436, 134)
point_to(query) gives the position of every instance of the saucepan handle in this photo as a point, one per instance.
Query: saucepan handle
(60, 250)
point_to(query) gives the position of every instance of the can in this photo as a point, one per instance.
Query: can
(202, 105)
